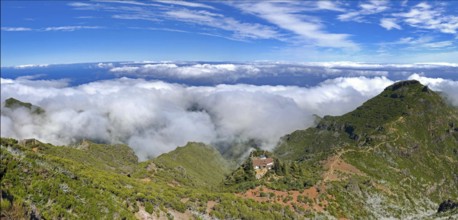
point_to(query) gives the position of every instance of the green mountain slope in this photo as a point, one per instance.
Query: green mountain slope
(115, 158)
(13, 103)
(395, 156)
(195, 164)
(42, 181)
(424, 109)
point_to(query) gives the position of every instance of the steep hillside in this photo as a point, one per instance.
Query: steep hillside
(89, 181)
(424, 109)
(395, 156)
(115, 158)
(195, 164)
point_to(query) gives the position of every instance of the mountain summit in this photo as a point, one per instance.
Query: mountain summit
(424, 114)
(393, 156)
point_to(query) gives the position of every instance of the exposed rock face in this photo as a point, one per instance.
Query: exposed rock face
(447, 205)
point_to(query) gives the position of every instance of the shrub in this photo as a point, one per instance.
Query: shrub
(5, 204)
(149, 207)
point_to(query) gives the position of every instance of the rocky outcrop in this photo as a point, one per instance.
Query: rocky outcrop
(447, 205)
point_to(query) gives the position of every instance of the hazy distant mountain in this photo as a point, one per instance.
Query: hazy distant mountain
(13, 104)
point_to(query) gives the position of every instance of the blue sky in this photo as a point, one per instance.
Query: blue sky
(44, 32)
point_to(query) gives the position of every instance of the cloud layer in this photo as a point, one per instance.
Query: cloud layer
(154, 117)
(55, 28)
(270, 73)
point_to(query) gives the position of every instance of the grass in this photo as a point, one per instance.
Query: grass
(47, 184)
(194, 164)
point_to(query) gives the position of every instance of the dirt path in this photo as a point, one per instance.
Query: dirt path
(336, 163)
(288, 198)
(317, 198)
(332, 163)
(380, 144)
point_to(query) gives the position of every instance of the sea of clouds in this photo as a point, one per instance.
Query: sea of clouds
(154, 116)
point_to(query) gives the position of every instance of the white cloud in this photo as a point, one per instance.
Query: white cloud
(160, 29)
(439, 44)
(440, 64)
(171, 70)
(237, 72)
(286, 16)
(154, 117)
(85, 17)
(428, 57)
(349, 15)
(448, 87)
(16, 29)
(145, 16)
(127, 10)
(30, 66)
(411, 40)
(404, 3)
(374, 6)
(69, 28)
(424, 42)
(128, 2)
(240, 29)
(345, 64)
(425, 16)
(389, 23)
(124, 69)
(367, 8)
(358, 65)
(185, 3)
(34, 81)
(105, 65)
(58, 28)
(329, 5)
(79, 4)
(184, 11)
(6, 81)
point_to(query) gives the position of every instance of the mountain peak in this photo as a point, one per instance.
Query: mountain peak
(13, 103)
(404, 84)
(407, 88)
(407, 132)
(409, 101)
(407, 98)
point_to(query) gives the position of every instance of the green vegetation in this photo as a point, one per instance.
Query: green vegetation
(46, 181)
(285, 175)
(404, 141)
(13, 103)
(195, 164)
(117, 158)
(393, 157)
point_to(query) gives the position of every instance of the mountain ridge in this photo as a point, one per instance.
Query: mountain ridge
(406, 134)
